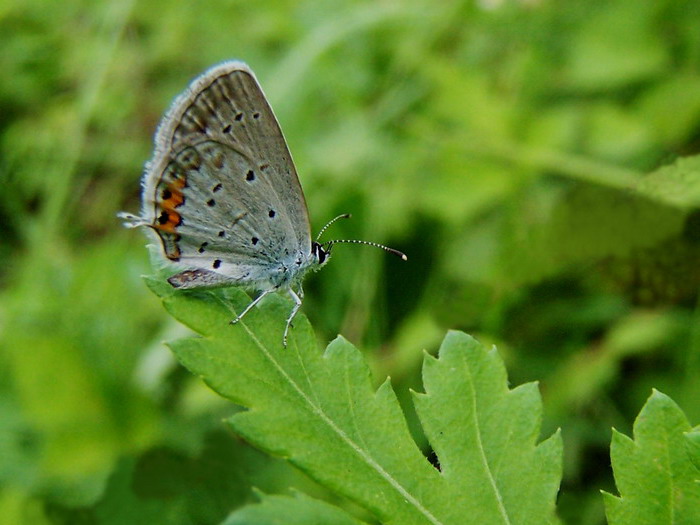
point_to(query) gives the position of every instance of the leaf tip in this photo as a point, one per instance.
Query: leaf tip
(337, 346)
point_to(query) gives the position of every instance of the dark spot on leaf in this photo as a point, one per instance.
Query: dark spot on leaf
(434, 460)
(250, 175)
(217, 263)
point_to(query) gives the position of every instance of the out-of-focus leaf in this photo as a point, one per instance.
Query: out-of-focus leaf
(547, 231)
(677, 185)
(297, 510)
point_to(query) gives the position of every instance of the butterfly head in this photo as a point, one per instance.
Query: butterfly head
(320, 253)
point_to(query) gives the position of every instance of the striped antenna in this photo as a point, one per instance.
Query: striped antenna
(327, 246)
(343, 216)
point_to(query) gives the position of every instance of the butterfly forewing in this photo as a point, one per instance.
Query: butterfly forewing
(222, 188)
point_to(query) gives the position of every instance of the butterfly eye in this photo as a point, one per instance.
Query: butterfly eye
(318, 252)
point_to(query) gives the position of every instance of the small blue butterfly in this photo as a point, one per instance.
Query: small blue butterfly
(222, 195)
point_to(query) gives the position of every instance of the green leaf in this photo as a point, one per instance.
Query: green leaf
(297, 510)
(320, 411)
(693, 444)
(653, 473)
(677, 185)
(607, 54)
(553, 232)
(484, 435)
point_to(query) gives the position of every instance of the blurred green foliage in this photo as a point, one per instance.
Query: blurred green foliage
(511, 149)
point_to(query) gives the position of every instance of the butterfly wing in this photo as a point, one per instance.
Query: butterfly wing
(222, 192)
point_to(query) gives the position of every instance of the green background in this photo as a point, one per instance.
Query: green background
(501, 145)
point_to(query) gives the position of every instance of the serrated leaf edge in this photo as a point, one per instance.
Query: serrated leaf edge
(318, 411)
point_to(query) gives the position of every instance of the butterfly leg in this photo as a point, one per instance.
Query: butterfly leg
(295, 309)
(251, 305)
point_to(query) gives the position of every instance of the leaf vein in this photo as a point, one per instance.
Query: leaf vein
(480, 444)
(320, 413)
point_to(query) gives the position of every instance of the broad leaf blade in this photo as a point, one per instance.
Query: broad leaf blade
(692, 441)
(320, 411)
(485, 435)
(317, 410)
(654, 473)
(677, 184)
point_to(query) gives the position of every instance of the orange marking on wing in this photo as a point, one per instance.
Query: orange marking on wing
(176, 199)
(173, 222)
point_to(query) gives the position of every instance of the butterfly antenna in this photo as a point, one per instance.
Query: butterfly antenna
(328, 245)
(343, 216)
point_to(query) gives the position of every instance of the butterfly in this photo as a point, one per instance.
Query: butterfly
(222, 197)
